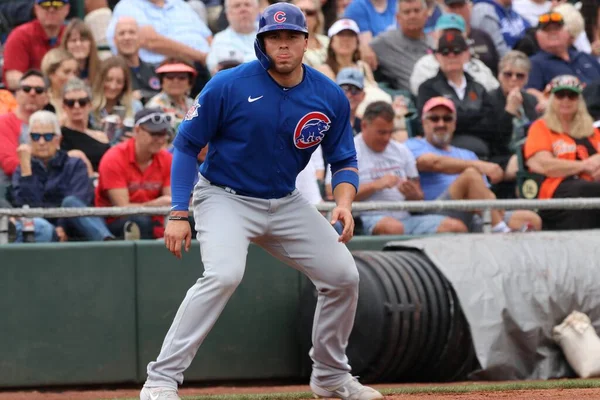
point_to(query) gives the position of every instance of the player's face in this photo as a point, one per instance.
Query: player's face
(377, 133)
(286, 49)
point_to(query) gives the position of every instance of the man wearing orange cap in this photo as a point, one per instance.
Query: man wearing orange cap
(452, 173)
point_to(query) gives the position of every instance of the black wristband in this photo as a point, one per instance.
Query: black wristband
(177, 218)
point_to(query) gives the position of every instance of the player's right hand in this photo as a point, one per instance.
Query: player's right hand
(176, 233)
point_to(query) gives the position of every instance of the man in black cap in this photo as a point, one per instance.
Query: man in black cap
(137, 173)
(481, 44)
(474, 110)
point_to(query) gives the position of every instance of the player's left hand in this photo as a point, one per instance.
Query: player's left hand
(344, 215)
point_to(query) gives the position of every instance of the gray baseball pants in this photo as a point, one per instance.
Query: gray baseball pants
(292, 230)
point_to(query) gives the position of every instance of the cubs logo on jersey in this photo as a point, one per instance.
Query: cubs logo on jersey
(311, 129)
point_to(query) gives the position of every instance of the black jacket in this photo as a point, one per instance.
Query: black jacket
(474, 112)
(499, 143)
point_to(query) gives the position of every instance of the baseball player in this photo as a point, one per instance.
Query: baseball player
(262, 121)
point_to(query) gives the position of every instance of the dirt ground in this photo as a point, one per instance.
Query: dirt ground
(547, 394)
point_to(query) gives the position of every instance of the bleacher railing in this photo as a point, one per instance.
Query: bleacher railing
(483, 206)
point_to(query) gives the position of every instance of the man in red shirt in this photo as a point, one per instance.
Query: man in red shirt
(27, 44)
(137, 173)
(31, 96)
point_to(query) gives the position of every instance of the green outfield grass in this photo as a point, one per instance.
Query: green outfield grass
(465, 388)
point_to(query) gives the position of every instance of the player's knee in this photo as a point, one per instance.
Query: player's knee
(230, 280)
(347, 277)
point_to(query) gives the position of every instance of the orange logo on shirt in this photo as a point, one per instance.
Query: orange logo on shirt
(561, 147)
(472, 95)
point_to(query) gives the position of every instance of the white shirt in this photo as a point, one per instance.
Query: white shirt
(306, 181)
(396, 159)
(531, 11)
(460, 89)
(230, 39)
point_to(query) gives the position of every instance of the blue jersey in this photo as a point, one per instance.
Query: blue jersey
(261, 135)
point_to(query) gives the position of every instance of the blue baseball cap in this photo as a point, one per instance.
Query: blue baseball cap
(351, 76)
(450, 21)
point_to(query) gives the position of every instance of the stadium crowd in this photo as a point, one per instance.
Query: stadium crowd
(449, 99)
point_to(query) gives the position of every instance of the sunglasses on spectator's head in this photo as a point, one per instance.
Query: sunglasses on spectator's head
(446, 51)
(550, 17)
(51, 4)
(28, 89)
(436, 118)
(309, 13)
(155, 118)
(84, 101)
(353, 90)
(47, 136)
(561, 94)
(510, 74)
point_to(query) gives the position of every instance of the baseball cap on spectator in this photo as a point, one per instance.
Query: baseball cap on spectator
(344, 24)
(450, 21)
(176, 67)
(228, 57)
(451, 42)
(153, 120)
(439, 101)
(351, 76)
(451, 2)
(566, 82)
(550, 18)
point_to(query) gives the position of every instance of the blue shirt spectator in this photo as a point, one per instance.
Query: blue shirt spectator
(546, 66)
(175, 20)
(369, 19)
(434, 184)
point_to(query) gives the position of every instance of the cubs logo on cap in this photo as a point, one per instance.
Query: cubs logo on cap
(279, 17)
(311, 129)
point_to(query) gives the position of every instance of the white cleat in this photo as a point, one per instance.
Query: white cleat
(352, 389)
(159, 393)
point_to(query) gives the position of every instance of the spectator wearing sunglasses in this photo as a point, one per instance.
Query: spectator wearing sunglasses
(452, 173)
(31, 96)
(473, 107)
(137, 173)
(27, 44)
(352, 82)
(48, 177)
(77, 135)
(515, 110)
(557, 57)
(563, 146)
(428, 66)
(177, 78)
(316, 54)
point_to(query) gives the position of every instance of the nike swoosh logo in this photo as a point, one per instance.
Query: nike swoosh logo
(343, 392)
(154, 396)
(252, 100)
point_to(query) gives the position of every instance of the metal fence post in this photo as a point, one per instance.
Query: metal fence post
(3, 229)
(487, 220)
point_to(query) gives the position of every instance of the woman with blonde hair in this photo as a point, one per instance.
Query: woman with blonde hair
(79, 41)
(316, 54)
(112, 88)
(58, 66)
(564, 146)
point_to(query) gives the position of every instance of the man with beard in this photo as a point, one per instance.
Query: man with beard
(451, 173)
(262, 121)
